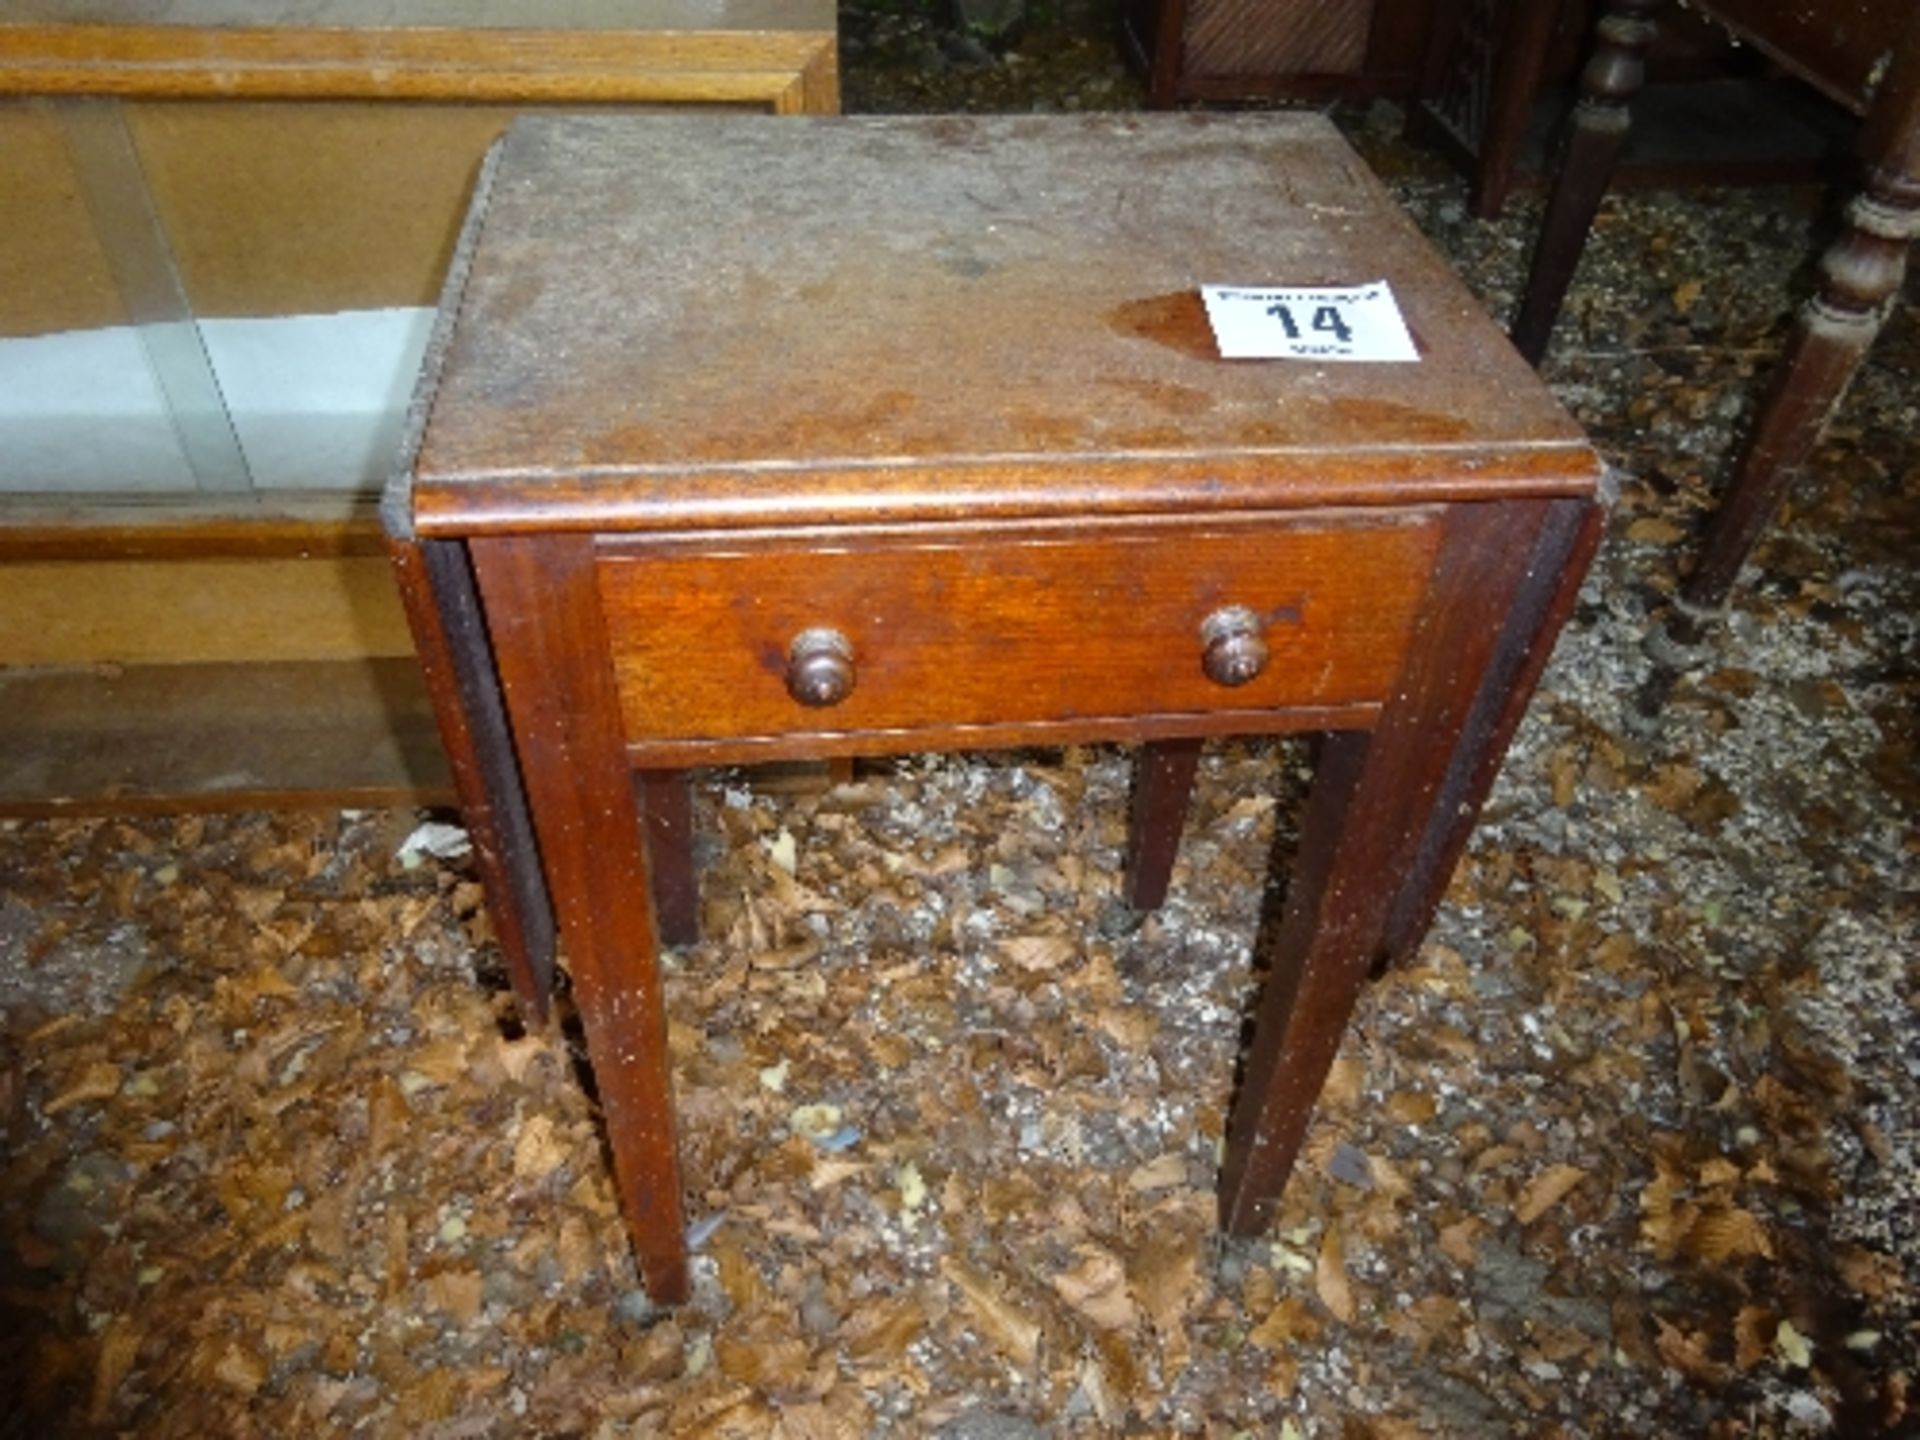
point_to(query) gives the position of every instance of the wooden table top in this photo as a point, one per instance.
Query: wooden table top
(1840, 46)
(465, 14)
(690, 321)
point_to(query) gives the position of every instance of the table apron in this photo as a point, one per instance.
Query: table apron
(1011, 638)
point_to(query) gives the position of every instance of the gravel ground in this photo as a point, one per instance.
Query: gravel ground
(1629, 1148)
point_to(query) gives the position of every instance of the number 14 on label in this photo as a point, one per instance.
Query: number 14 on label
(1326, 319)
(1321, 322)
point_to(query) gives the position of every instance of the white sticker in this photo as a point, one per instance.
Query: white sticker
(1314, 322)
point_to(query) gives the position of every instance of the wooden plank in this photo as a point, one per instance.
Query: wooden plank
(79, 612)
(543, 611)
(632, 15)
(1056, 628)
(1045, 360)
(436, 587)
(1375, 799)
(475, 65)
(118, 740)
(49, 527)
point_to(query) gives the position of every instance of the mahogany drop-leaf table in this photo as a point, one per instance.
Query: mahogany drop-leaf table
(748, 440)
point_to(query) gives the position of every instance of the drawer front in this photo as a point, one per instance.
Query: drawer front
(1010, 630)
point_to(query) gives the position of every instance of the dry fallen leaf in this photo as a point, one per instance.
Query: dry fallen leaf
(458, 1292)
(1330, 1277)
(1038, 952)
(1686, 1351)
(808, 1421)
(1097, 1288)
(1431, 1320)
(238, 1368)
(1289, 1320)
(1753, 1330)
(739, 1276)
(119, 1346)
(772, 1366)
(1008, 1326)
(1546, 1190)
(1871, 1274)
(1159, 1173)
(1164, 1275)
(1345, 1083)
(537, 1151)
(99, 1081)
(1460, 1241)
(880, 1334)
(1723, 1233)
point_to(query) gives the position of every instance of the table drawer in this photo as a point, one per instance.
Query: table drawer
(1009, 628)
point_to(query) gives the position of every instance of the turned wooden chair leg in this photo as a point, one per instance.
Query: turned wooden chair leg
(1600, 122)
(1162, 788)
(435, 579)
(1377, 797)
(1860, 273)
(666, 811)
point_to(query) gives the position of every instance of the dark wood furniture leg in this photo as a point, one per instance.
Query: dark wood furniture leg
(1162, 788)
(435, 578)
(1599, 131)
(1559, 562)
(549, 634)
(1376, 797)
(666, 808)
(1859, 276)
(1516, 75)
(1163, 81)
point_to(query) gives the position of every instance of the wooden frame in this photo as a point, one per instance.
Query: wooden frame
(1157, 31)
(789, 72)
(774, 55)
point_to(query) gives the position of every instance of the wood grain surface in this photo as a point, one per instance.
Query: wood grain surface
(934, 315)
(998, 627)
(1840, 46)
(551, 645)
(1376, 796)
(944, 388)
(85, 612)
(477, 65)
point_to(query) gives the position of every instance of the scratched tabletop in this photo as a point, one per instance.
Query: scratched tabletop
(688, 321)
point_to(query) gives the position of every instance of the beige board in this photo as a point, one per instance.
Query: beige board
(83, 612)
(56, 273)
(625, 15)
(270, 208)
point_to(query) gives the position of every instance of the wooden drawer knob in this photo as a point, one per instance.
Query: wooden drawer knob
(1235, 650)
(820, 667)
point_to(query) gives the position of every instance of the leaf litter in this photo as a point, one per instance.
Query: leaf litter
(1628, 1146)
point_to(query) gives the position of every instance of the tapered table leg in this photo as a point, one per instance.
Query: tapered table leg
(1377, 797)
(1162, 788)
(544, 614)
(666, 809)
(1597, 134)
